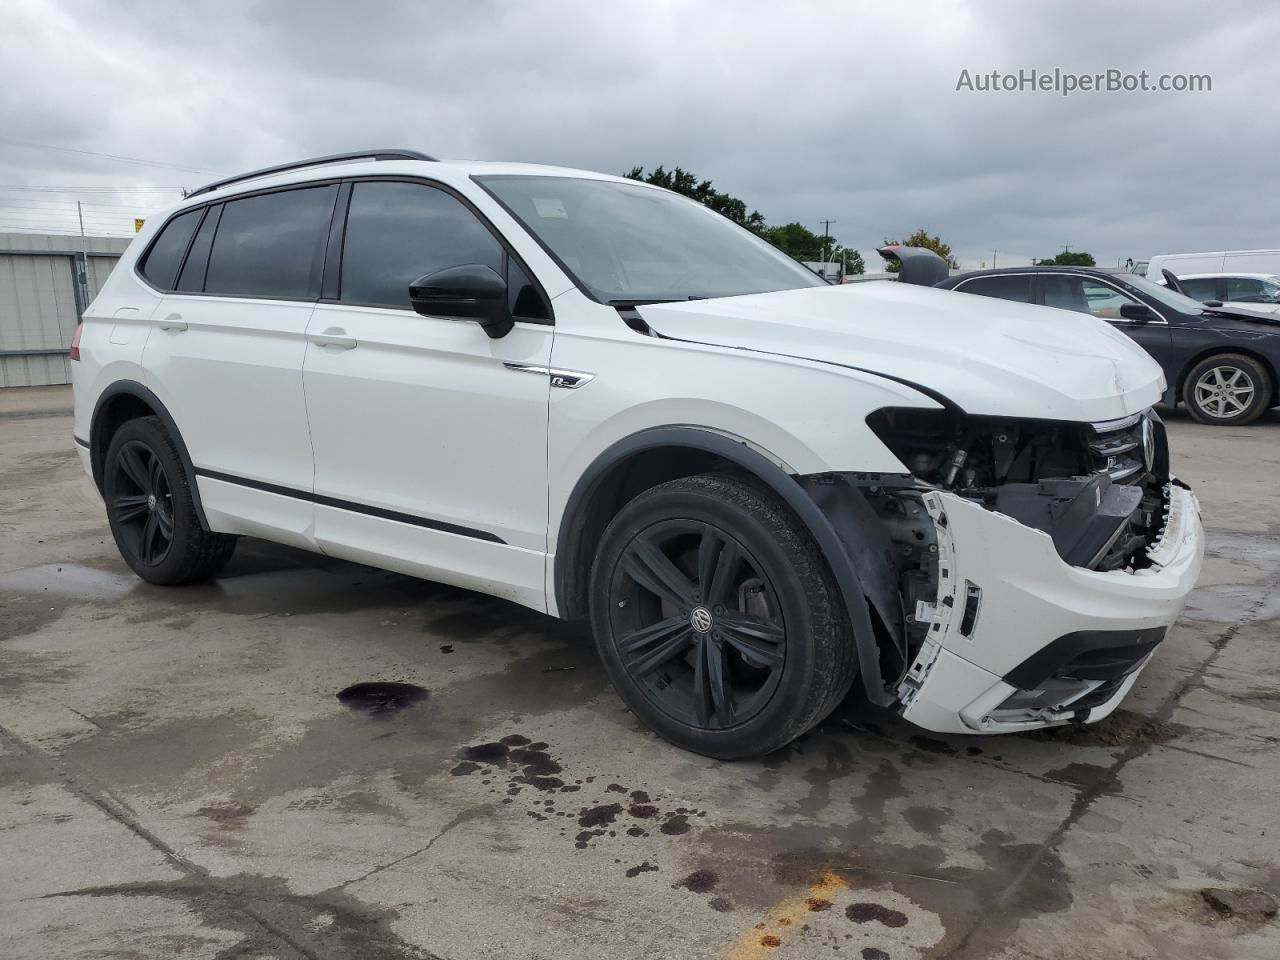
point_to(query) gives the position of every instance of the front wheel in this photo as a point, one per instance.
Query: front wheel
(718, 619)
(151, 509)
(1229, 389)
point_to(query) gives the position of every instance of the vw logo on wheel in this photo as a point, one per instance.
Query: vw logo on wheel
(700, 619)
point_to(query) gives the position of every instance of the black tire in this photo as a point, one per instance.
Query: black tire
(149, 506)
(1227, 390)
(779, 648)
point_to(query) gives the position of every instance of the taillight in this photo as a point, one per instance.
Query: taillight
(75, 342)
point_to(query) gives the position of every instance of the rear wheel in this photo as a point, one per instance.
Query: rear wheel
(151, 510)
(1228, 389)
(718, 619)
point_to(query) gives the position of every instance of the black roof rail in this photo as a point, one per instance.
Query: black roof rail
(315, 162)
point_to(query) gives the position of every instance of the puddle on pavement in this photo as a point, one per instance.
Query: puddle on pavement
(380, 698)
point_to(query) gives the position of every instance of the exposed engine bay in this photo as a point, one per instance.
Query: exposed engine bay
(1098, 491)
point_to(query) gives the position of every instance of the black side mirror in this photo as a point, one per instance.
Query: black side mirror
(472, 291)
(1216, 303)
(1136, 311)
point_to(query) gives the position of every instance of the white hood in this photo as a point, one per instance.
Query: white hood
(987, 356)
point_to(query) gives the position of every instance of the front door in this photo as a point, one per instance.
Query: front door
(429, 437)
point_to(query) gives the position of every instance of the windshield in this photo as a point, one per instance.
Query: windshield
(1163, 294)
(633, 243)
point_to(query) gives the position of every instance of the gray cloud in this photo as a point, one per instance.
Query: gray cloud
(806, 111)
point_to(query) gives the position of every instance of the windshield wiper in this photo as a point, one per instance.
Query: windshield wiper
(643, 303)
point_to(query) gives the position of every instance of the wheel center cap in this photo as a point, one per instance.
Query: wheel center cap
(700, 619)
(151, 501)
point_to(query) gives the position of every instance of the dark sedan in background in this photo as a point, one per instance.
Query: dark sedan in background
(1221, 362)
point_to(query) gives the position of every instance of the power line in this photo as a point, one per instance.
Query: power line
(103, 156)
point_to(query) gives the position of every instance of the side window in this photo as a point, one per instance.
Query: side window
(272, 245)
(1063, 292)
(1244, 288)
(161, 264)
(397, 232)
(191, 280)
(1104, 300)
(1200, 288)
(1015, 286)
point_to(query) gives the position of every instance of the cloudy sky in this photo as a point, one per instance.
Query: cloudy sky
(807, 111)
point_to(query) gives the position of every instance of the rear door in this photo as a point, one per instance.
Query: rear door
(225, 356)
(430, 437)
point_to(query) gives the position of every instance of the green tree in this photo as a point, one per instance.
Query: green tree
(794, 239)
(922, 238)
(1068, 258)
(683, 182)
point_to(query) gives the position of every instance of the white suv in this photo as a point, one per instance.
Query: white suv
(602, 400)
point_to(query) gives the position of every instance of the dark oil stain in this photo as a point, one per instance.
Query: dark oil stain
(639, 796)
(721, 904)
(379, 698)
(874, 953)
(516, 740)
(227, 815)
(465, 768)
(616, 788)
(643, 811)
(487, 753)
(536, 763)
(675, 825)
(973, 751)
(769, 940)
(599, 815)
(645, 867)
(866, 912)
(1077, 774)
(933, 745)
(700, 881)
(927, 820)
(817, 904)
(446, 648)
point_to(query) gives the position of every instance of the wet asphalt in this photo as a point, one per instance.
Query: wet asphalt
(312, 759)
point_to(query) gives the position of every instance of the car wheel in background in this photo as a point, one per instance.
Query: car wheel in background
(718, 619)
(151, 511)
(1227, 389)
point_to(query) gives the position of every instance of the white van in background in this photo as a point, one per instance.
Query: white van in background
(1221, 261)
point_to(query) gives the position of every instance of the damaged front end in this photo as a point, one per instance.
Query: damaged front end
(1023, 571)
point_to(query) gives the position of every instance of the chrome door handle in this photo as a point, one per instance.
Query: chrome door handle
(173, 321)
(333, 337)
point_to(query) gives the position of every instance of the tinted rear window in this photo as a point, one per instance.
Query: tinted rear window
(1013, 287)
(272, 245)
(161, 265)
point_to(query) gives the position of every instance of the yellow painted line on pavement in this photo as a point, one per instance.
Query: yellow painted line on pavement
(785, 918)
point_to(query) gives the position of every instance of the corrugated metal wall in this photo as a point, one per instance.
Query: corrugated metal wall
(38, 312)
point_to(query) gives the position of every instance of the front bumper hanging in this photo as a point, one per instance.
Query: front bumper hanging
(1020, 639)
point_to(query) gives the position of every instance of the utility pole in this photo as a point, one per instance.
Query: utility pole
(826, 235)
(993, 258)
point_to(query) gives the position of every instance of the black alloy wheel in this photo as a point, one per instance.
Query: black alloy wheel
(718, 618)
(697, 624)
(142, 503)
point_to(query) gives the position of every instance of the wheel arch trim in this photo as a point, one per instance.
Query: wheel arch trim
(569, 540)
(97, 449)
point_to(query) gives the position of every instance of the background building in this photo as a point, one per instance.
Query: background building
(46, 281)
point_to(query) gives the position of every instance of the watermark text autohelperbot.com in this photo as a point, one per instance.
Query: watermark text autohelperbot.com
(1065, 83)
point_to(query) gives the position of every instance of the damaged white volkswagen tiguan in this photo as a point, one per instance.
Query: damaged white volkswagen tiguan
(604, 401)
